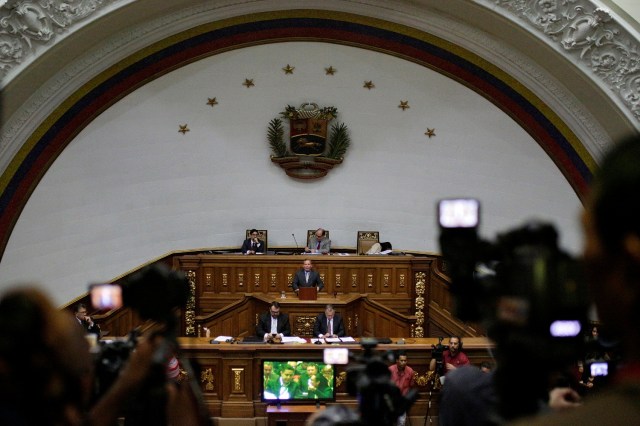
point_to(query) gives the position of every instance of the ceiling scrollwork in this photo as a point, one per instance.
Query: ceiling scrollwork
(592, 37)
(25, 25)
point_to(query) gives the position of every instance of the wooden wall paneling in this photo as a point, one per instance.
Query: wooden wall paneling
(338, 281)
(402, 283)
(371, 280)
(356, 281)
(237, 385)
(241, 279)
(210, 380)
(208, 281)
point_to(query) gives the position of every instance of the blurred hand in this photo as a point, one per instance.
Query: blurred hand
(563, 398)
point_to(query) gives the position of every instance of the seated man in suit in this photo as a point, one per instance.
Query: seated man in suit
(307, 277)
(328, 324)
(252, 245)
(85, 320)
(273, 323)
(318, 243)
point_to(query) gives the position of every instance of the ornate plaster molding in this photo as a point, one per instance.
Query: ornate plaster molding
(589, 35)
(27, 25)
(123, 43)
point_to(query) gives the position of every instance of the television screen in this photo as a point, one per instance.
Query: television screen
(297, 381)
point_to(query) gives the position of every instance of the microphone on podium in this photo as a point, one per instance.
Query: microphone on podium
(296, 241)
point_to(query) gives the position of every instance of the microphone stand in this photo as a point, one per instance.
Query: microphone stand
(296, 241)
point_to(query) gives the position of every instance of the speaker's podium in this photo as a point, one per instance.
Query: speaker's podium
(308, 293)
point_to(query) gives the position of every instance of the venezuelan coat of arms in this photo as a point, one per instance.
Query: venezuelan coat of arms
(314, 146)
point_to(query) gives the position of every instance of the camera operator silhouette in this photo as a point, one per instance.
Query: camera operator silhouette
(612, 259)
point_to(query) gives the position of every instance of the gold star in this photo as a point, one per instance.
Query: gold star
(212, 101)
(430, 132)
(330, 71)
(183, 129)
(288, 69)
(369, 85)
(404, 105)
(248, 82)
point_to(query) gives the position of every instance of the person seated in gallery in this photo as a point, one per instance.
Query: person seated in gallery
(307, 277)
(253, 245)
(319, 243)
(328, 324)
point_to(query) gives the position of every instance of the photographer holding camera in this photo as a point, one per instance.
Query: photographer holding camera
(142, 379)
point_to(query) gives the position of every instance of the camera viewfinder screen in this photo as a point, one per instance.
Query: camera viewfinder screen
(459, 213)
(106, 296)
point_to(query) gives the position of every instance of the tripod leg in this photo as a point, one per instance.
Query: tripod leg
(426, 416)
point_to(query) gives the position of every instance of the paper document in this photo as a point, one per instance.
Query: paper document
(348, 339)
(293, 339)
(223, 338)
(332, 339)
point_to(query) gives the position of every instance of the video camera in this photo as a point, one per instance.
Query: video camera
(437, 353)
(530, 295)
(154, 294)
(522, 280)
(369, 379)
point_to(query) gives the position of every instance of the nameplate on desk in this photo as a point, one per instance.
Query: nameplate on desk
(308, 293)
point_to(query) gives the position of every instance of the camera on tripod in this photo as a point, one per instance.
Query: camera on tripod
(437, 353)
(369, 379)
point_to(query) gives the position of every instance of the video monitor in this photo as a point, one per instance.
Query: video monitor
(294, 381)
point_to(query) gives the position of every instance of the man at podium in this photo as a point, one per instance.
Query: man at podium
(307, 277)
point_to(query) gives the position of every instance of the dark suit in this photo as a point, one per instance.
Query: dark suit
(320, 327)
(282, 391)
(94, 329)
(247, 245)
(299, 280)
(264, 325)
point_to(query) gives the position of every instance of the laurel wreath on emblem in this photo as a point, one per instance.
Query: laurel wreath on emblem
(338, 141)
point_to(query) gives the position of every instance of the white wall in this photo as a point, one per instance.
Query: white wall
(130, 188)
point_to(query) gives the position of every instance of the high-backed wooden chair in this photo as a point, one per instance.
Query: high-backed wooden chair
(365, 240)
(312, 232)
(262, 235)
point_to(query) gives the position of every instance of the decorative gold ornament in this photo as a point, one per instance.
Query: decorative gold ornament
(288, 69)
(207, 378)
(330, 71)
(430, 132)
(248, 82)
(404, 105)
(183, 128)
(212, 102)
(369, 85)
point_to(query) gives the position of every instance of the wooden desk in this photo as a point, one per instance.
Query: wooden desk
(290, 415)
(222, 282)
(231, 378)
